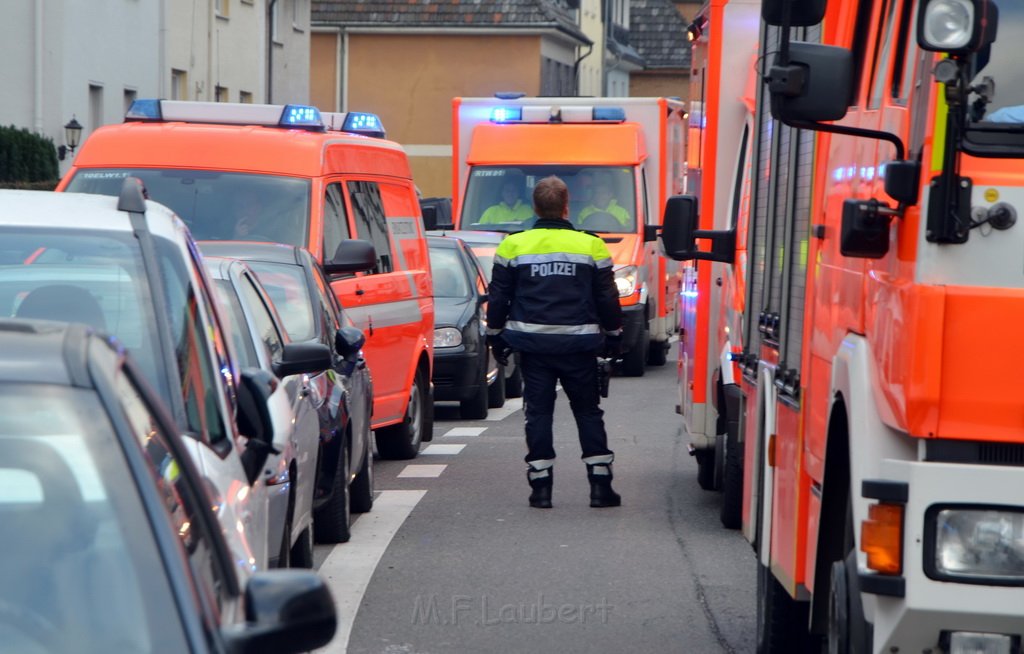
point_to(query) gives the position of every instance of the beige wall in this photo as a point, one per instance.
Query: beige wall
(323, 71)
(410, 80)
(642, 85)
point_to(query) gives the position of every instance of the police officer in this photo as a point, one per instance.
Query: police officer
(553, 299)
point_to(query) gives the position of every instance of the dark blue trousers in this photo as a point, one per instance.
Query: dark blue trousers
(578, 375)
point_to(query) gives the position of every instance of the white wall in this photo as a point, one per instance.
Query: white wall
(590, 66)
(291, 52)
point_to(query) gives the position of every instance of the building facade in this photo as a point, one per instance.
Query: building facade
(658, 30)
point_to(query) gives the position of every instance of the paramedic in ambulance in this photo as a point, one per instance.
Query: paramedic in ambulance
(604, 203)
(552, 298)
(247, 210)
(511, 208)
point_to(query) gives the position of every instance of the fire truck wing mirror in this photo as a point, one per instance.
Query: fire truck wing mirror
(679, 233)
(902, 181)
(957, 26)
(802, 13)
(352, 255)
(815, 84)
(865, 229)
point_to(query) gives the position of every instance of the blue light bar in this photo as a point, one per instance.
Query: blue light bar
(301, 115)
(610, 113)
(144, 110)
(359, 122)
(506, 114)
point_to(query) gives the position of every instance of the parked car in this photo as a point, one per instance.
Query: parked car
(310, 313)
(128, 267)
(111, 541)
(484, 245)
(464, 368)
(260, 341)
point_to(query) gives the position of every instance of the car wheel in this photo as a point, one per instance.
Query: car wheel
(475, 408)
(332, 520)
(361, 491)
(402, 441)
(635, 360)
(284, 554)
(302, 551)
(514, 382)
(496, 391)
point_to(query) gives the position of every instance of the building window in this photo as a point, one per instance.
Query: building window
(95, 106)
(297, 22)
(129, 98)
(179, 84)
(221, 8)
(245, 97)
(220, 94)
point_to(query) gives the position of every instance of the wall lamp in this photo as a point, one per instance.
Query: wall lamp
(72, 134)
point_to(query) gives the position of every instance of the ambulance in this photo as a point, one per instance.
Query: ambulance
(292, 175)
(621, 159)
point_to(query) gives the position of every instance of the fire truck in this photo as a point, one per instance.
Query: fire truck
(881, 427)
(621, 159)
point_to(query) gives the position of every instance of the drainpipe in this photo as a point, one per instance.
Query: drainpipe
(576, 69)
(270, 51)
(37, 110)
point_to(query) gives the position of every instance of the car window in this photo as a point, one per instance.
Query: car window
(286, 285)
(335, 221)
(78, 556)
(371, 224)
(262, 319)
(485, 255)
(238, 330)
(217, 205)
(449, 273)
(181, 502)
(329, 302)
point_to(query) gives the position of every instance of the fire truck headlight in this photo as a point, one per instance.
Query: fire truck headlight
(973, 642)
(979, 544)
(957, 26)
(447, 337)
(626, 280)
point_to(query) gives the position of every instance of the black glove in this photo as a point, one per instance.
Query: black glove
(499, 348)
(613, 345)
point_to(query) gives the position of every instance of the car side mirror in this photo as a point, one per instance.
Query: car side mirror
(802, 13)
(679, 234)
(285, 611)
(348, 341)
(814, 84)
(353, 255)
(303, 358)
(255, 422)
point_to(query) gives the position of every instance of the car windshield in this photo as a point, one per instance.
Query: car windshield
(449, 275)
(286, 285)
(217, 205)
(90, 277)
(499, 198)
(1004, 69)
(79, 569)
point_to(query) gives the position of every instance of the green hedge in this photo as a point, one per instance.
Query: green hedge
(26, 157)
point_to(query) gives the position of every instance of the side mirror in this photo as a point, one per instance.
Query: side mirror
(865, 229)
(255, 422)
(902, 180)
(651, 233)
(679, 234)
(352, 255)
(285, 611)
(802, 13)
(303, 358)
(348, 341)
(429, 217)
(816, 84)
(957, 27)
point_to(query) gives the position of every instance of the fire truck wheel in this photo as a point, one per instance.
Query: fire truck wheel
(838, 611)
(781, 620)
(635, 360)
(402, 441)
(657, 353)
(732, 482)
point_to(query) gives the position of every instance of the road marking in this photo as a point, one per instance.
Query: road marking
(451, 448)
(349, 567)
(511, 406)
(421, 470)
(464, 431)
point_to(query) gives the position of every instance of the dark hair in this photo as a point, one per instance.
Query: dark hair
(550, 198)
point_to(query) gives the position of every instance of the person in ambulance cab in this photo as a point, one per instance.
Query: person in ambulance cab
(511, 208)
(552, 297)
(604, 202)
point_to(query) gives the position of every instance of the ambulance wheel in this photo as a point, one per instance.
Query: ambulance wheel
(705, 469)
(781, 620)
(496, 391)
(635, 360)
(514, 382)
(402, 441)
(732, 482)
(657, 353)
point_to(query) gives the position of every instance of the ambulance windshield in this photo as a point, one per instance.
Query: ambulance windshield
(217, 205)
(500, 198)
(1001, 65)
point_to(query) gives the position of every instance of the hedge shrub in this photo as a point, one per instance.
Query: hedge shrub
(26, 157)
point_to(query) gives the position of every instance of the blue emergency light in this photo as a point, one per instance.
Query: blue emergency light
(144, 110)
(300, 115)
(359, 122)
(617, 114)
(506, 114)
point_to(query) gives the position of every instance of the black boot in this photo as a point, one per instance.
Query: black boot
(541, 482)
(601, 493)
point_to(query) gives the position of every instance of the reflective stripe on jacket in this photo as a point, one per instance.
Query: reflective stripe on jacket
(552, 290)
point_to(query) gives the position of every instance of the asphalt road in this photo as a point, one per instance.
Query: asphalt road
(456, 561)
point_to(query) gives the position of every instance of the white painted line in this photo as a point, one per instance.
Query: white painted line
(422, 470)
(349, 567)
(464, 431)
(451, 448)
(511, 406)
